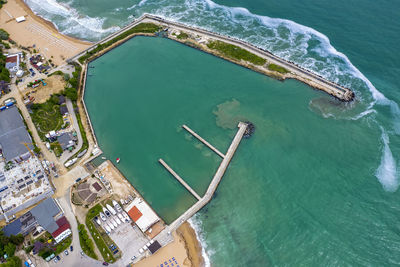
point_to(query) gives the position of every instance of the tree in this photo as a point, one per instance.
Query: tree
(17, 239)
(13, 262)
(4, 35)
(71, 93)
(9, 249)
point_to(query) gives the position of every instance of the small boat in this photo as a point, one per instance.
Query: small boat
(117, 220)
(104, 158)
(121, 217)
(102, 216)
(107, 228)
(97, 220)
(106, 212)
(117, 206)
(111, 209)
(118, 159)
(114, 222)
(111, 226)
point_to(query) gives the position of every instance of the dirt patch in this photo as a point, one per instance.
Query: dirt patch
(54, 85)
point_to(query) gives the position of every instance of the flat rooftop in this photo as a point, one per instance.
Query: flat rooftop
(13, 134)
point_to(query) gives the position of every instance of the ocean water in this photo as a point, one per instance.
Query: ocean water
(318, 182)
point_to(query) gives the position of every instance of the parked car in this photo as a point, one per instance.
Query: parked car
(71, 248)
(105, 263)
(83, 254)
(55, 260)
(66, 252)
(58, 257)
(115, 252)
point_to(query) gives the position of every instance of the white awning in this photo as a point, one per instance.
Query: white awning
(20, 19)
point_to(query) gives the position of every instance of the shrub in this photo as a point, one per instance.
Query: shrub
(4, 35)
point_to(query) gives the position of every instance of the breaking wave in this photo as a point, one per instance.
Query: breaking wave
(195, 223)
(69, 21)
(387, 171)
(287, 39)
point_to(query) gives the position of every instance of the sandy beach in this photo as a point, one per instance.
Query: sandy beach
(38, 32)
(185, 249)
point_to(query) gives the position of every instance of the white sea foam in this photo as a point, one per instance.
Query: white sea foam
(387, 173)
(72, 23)
(195, 223)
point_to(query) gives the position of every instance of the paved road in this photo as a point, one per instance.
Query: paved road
(67, 154)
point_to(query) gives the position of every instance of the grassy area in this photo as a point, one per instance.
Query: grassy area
(277, 68)
(63, 245)
(141, 28)
(56, 147)
(86, 243)
(182, 35)
(235, 52)
(47, 116)
(101, 240)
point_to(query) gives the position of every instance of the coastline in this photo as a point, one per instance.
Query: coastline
(46, 22)
(37, 34)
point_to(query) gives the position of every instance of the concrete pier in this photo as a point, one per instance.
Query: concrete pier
(179, 179)
(203, 141)
(211, 188)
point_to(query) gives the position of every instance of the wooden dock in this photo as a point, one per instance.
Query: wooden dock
(203, 141)
(179, 179)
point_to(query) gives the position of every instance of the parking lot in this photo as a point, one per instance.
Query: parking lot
(129, 239)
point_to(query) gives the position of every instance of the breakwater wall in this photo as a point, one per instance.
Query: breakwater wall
(295, 71)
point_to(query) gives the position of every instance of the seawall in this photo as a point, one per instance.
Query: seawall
(295, 71)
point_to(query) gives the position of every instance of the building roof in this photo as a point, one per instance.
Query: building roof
(63, 110)
(142, 214)
(13, 228)
(154, 247)
(134, 213)
(64, 140)
(61, 230)
(96, 186)
(13, 134)
(60, 222)
(44, 214)
(61, 99)
(13, 58)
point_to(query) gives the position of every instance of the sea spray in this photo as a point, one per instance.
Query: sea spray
(387, 171)
(195, 223)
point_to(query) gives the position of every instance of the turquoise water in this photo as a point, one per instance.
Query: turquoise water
(318, 182)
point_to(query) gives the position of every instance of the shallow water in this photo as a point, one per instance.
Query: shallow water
(318, 183)
(302, 185)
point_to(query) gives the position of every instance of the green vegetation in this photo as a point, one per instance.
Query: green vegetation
(277, 68)
(86, 243)
(235, 52)
(2, 2)
(4, 35)
(47, 116)
(4, 73)
(63, 245)
(182, 35)
(58, 72)
(56, 147)
(13, 261)
(141, 28)
(99, 239)
(8, 245)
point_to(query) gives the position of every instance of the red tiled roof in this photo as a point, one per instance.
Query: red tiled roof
(134, 213)
(12, 59)
(60, 222)
(60, 230)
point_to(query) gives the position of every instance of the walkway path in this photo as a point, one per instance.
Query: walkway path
(203, 141)
(179, 179)
(67, 154)
(164, 236)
